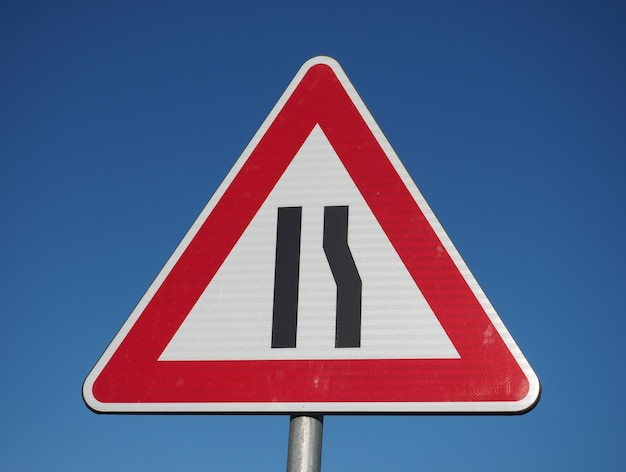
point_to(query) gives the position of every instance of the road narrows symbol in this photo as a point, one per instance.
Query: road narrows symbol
(287, 276)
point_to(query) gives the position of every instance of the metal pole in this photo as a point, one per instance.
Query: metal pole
(305, 443)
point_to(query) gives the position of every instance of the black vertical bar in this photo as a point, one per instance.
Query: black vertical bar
(286, 277)
(349, 286)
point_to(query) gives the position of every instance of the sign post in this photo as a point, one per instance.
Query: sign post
(317, 280)
(304, 453)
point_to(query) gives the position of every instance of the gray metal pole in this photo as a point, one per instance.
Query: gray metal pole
(305, 443)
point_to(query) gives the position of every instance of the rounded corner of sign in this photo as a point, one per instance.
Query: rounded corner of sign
(532, 398)
(529, 401)
(88, 397)
(322, 60)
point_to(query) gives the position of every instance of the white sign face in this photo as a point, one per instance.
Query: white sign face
(317, 279)
(232, 319)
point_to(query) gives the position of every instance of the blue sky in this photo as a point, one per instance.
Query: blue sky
(119, 121)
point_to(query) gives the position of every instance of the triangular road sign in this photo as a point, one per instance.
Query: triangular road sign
(317, 279)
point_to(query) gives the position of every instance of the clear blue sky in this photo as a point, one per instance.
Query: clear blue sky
(119, 120)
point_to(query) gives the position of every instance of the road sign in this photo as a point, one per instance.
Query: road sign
(317, 279)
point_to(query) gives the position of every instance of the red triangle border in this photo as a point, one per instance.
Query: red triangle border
(490, 375)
